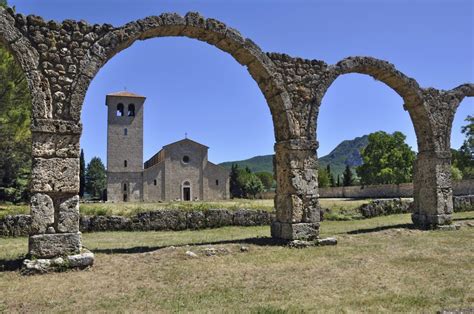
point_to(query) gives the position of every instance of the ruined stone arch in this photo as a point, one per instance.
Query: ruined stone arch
(385, 72)
(193, 26)
(61, 59)
(28, 58)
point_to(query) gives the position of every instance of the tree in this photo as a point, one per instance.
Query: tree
(387, 159)
(253, 186)
(323, 178)
(347, 177)
(82, 174)
(235, 188)
(266, 178)
(456, 174)
(332, 182)
(95, 177)
(15, 135)
(463, 159)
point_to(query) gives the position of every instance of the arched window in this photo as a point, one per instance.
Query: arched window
(120, 110)
(131, 110)
(125, 187)
(186, 183)
(125, 131)
(154, 182)
(125, 163)
(217, 182)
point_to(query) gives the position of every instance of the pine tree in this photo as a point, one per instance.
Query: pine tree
(332, 182)
(348, 177)
(235, 188)
(95, 177)
(82, 174)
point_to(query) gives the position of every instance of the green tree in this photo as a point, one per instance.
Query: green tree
(347, 177)
(332, 182)
(266, 178)
(463, 159)
(456, 174)
(15, 135)
(235, 187)
(253, 186)
(323, 178)
(386, 159)
(95, 177)
(82, 174)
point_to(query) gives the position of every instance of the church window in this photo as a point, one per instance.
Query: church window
(125, 131)
(120, 110)
(217, 182)
(186, 159)
(131, 110)
(154, 182)
(125, 163)
(125, 187)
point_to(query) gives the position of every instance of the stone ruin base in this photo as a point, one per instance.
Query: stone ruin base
(295, 231)
(438, 221)
(57, 264)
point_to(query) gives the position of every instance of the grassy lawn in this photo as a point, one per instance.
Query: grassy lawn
(338, 206)
(379, 265)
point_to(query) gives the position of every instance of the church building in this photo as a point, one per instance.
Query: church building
(179, 171)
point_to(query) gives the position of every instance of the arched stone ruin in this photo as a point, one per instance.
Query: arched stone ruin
(61, 59)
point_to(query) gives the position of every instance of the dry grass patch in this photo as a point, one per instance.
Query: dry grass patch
(378, 266)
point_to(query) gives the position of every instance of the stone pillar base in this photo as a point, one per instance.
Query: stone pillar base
(45, 265)
(295, 231)
(54, 245)
(423, 221)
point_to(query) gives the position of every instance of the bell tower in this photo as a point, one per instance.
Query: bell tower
(125, 147)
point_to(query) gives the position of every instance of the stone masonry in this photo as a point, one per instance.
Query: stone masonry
(61, 59)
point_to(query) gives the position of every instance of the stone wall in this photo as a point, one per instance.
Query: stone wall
(19, 225)
(464, 187)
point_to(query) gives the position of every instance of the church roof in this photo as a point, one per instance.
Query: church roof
(126, 94)
(160, 156)
(186, 140)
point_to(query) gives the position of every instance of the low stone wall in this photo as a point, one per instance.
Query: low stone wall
(385, 207)
(397, 206)
(463, 187)
(19, 225)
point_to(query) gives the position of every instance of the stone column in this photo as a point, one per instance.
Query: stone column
(54, 187)
(296, 200)
(433, 194)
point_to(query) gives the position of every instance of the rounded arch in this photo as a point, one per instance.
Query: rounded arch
(28, 58)
(385, 72)
(194, 26)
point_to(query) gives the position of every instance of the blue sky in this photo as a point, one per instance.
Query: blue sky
(195, 88)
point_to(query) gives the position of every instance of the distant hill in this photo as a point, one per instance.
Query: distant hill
(346, 153)
(256, 164)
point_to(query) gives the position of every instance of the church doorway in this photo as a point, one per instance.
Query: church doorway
(186, 191)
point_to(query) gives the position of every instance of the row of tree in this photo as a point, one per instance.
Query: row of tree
(246, 184)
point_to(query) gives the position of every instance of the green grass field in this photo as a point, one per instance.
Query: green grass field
(379, 265)
(343, 207)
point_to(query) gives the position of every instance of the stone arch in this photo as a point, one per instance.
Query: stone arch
(193, 26)
(385, 72)
(28, 58)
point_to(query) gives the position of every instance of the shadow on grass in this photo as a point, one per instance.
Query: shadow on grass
(465, 218)
(11, 265)
(260, 241)
(382, 228)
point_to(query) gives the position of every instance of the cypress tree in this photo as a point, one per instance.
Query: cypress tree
(348, 177)
(82, 175)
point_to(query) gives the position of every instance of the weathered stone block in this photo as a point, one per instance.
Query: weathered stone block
(296, 231)
(427, 221)
(55, 145)
(42, 213)
(53, 245)
(68, 215)
(55, 175)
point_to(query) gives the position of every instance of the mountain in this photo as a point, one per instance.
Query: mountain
(256, 164)
(346, 153)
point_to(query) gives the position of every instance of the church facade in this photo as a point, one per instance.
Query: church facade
(179, 171)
